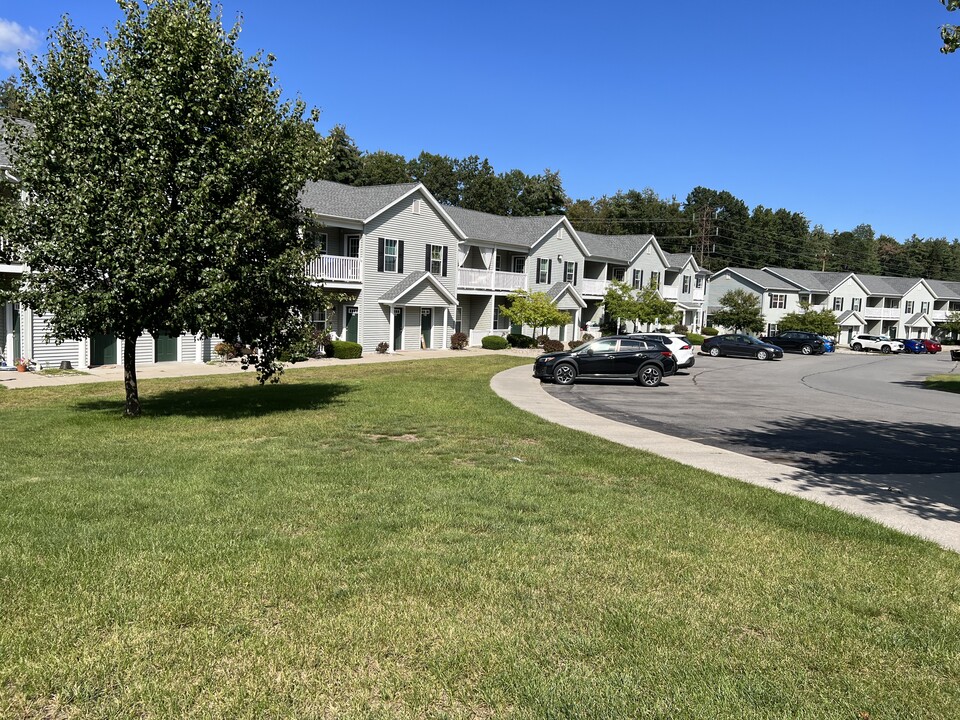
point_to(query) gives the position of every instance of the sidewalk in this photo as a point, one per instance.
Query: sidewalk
(901, 512)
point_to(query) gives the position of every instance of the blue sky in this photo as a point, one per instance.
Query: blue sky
(842, 110)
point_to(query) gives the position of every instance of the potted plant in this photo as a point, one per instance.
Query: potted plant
(23, 363)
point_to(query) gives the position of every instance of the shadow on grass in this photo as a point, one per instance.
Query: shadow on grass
(917, 462)
(943, 385)
(230, 403)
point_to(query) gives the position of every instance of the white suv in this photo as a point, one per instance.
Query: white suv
(680, 346)
(876, 342)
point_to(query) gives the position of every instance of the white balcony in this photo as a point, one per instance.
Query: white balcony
(938, 315)
(335, 268)
(669, 293)
(490, 280)
(594, 287)
(698, 294)
(881, 313)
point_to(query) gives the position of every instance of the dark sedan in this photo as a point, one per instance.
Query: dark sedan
(647, 362)
(807, 343)
(740, 346)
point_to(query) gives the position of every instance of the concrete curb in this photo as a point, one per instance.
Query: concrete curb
(518, 387)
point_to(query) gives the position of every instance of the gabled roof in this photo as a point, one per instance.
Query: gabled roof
(944, 290)
(760, 278)
(848, 315)
(524, 231)
(915, 319)
(622, 248)
(810, 280)
(885, 285)
(556, 291)
(412, 281)
(348, 202)
(681, 260)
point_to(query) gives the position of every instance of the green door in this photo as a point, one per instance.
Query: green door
(353, 315)
(426, 326)
(103, 350)
(398, 329)
(17, 350)
(165, 349)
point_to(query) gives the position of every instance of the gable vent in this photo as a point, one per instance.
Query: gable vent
(417, 207)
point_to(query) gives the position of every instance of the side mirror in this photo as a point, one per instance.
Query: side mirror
(589, 351)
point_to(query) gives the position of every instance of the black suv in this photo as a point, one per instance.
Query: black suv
(807, 343)
(646, 361)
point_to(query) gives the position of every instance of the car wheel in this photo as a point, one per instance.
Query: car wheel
(885, 349)
(857, 347)
(564, 374)
(650, 376)
(762, 354)
(806, 349)
(714, 352)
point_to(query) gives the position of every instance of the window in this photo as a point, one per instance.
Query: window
(318, 239)
(570, 272)
(655, 279)
(632, 346)
(638, 278)
(618, 273)
(436, 260)
(773, 329)
(924, 307)
(353, 246)
(543, 271)
(318, 318)
(837, 304)
(498, 262)
(699, 282)
(458, 322)
(855, 304)
(390, 254)
(519, 264)
(908, 307)
(778, 301)
(686, 284)
(500, 321)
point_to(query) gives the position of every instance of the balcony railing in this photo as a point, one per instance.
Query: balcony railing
(492, 280)
(335, 268)
(594, 287)
(881, 313)
(669, 293)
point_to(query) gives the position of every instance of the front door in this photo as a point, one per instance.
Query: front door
(426, 326)
(165, 349)
(353, 323)
(103, 350)
(398, 328)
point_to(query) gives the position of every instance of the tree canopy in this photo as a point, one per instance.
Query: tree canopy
(950, 34)
(163, 172)
(739, 310)
(535, 310)
(822, 322)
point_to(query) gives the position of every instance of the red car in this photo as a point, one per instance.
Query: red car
(932, 346)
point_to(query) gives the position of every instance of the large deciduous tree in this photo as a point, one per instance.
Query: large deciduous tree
(822, 322)
(739, 310)
(950, 34)
(535, 310)
(163, 174)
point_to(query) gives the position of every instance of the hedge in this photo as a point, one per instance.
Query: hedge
(346, 350)
(494, 342)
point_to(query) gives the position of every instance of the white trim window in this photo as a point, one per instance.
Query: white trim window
(353, 246)
(699, 283)
(655, 279)
(837, 304)
(773, 329)
(638, 279)
(778, 301)
(908, 307)
(318, 318)
(686, 284)
(856, 304)
(570, 272)
(436, 259)
(390, 255)
(543, 271)
(924, 307)
(519, 264)
(618, 273)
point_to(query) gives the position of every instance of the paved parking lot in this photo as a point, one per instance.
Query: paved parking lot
(837, 414)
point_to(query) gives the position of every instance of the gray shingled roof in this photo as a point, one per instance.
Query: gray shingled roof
(913, 319)
(944, 289)
(409, 282)
(348, 202)
(613, 247)
(809, 279)
(556, 290)
(877, 285)
(678, 260)
(762, 278)
(847, 315)
(512, 230)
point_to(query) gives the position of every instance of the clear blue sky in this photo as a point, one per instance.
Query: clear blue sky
(843, 110)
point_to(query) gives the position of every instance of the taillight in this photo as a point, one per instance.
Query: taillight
(666, 353)
(685, 347)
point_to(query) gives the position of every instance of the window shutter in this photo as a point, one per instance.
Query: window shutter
(400, 256)
(549, 270)
(427, 263)
(444, 272)
(380, 243)
(576, 269)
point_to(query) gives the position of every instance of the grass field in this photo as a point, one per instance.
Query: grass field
(947, 383)
(395, 541)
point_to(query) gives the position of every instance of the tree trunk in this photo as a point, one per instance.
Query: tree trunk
(132, 407)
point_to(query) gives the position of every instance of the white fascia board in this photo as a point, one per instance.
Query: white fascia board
(437, 285)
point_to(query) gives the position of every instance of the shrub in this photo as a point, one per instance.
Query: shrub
(552, 345)
(311, 345)
(710, 331)
(383, 347)
(587, 337)
(494, 342)
(574, 344)
(521, 341)
(225, 350)
(458, 341)
(345, 350)
(542, 339)
(680, 328)
(694, 338)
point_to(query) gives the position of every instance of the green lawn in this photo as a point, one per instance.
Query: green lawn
(394, 540)
(948, 383)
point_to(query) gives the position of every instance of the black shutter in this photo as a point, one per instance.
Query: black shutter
(576, 268)
(400, 256)
(444, 272)
(426, 265)
(549, 271)
(380, 242)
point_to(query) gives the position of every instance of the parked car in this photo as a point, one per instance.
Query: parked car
(932, 346)
(807, 343)
(829, 344)
(740, 346)
(914, 345)
(679, 345)
(876, 342)
(646, 361)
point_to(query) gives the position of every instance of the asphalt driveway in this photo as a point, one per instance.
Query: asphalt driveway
(846, 413)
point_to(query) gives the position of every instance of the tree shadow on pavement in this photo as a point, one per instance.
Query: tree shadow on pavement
(913, 464)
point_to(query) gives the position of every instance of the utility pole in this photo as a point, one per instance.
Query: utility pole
(822, 257)
(707, 215)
